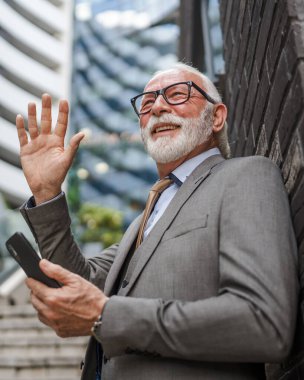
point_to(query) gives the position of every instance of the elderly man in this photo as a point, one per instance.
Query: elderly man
(203, 285)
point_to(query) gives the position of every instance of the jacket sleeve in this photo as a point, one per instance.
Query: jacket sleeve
(50, 224)
(252, 318)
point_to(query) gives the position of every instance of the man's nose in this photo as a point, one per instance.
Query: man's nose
(160, 106)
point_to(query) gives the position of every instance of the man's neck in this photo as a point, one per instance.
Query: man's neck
(165, 168)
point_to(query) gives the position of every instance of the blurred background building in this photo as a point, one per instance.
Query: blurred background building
(35, 57)
(117, 45)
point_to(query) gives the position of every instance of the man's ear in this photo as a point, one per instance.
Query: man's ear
(219, 117)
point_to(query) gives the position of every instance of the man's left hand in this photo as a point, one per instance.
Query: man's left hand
(70, 310)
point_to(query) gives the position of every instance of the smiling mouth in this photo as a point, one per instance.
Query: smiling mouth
(163, 128)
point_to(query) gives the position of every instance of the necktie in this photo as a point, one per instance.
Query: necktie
(154, 193)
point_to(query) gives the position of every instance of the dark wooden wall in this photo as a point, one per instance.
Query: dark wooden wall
(264, 92)
(263, 87)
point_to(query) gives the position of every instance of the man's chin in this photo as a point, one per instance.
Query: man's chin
(163, 154)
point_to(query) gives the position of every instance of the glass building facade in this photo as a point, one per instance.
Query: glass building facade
(117, 46)
(35, 54)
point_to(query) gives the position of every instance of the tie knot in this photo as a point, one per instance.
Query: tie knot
(154, 193)
(161, 185)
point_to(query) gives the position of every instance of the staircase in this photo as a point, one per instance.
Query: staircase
(30, 350)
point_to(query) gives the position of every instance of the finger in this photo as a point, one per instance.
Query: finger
(32, 121)
(46, 114)
(38, 304)
(74, 144)
(62, 120)
(44, 320)
(56, 272)
(37, 288)
(22, 136)
(42, 310)
(42, 295)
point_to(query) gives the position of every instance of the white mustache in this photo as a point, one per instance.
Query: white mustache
(164, 119)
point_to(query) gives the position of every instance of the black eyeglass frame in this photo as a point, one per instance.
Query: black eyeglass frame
(163, 90)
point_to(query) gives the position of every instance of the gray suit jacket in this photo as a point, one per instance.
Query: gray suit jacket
(212, 291)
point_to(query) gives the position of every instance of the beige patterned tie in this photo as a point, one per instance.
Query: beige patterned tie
(154, 193)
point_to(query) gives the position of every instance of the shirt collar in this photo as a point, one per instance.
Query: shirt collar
(187, 167)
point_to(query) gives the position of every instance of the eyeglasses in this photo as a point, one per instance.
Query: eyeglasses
(176, 93)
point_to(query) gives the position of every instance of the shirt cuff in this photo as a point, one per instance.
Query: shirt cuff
(31, 202)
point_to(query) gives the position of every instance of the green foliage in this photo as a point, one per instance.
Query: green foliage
(100, 224)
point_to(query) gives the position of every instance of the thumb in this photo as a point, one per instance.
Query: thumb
(74, 144)
(56, 272)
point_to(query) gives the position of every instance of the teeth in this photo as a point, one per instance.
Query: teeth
(164, 128)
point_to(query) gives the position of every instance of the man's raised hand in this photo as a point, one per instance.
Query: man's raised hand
(44, 159)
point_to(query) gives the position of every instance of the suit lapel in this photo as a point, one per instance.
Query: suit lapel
(123, 250)
(149, 245)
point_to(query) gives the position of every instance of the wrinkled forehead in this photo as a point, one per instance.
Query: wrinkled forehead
(168, 77)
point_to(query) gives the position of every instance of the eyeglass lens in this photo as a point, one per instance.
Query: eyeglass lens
(175, 94)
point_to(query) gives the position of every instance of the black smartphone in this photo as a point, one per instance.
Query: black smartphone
(26, 256)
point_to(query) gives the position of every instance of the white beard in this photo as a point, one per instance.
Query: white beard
(193, 132)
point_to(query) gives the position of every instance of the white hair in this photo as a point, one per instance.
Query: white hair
(221, 138)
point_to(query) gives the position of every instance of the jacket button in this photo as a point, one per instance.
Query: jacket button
(124, 283)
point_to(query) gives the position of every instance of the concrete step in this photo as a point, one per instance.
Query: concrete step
(48, 361)
(21, 323)
(29, 350)
(8, 311)
(36, 362)
(41, 377)
(40, 374)
(35, 341)
(24, 327)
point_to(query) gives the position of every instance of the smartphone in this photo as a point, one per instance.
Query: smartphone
(26, 256)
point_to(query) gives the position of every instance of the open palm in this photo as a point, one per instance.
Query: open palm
(44, 158)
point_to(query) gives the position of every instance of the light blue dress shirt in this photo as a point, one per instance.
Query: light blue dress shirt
(181, 172)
